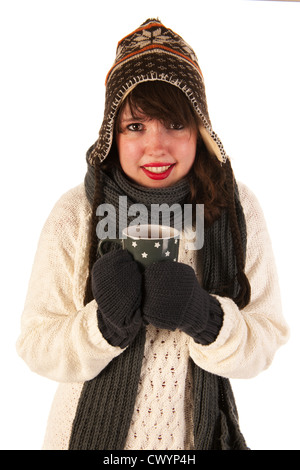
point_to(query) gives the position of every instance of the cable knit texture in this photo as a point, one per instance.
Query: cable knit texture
(164, 396)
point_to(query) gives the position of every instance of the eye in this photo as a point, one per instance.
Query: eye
(177, 126)
(135, 127)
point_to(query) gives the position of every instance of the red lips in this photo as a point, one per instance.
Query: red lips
(159, 171)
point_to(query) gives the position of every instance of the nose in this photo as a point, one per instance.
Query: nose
(156, 140)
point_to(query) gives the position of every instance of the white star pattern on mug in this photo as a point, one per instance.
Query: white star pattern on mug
(146, 250)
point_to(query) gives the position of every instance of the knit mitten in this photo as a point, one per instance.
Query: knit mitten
(173, 298)
(116, 285)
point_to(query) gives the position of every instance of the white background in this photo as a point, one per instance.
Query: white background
(54, 58)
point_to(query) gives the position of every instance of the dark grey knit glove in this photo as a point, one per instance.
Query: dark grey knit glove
(116, 285)
(173, 298)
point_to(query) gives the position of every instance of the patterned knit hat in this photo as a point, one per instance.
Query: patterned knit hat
(154, 52)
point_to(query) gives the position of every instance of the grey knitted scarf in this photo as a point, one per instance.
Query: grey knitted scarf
(119, 185)
(106, 403)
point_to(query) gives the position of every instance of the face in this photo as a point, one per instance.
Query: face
(153, 154)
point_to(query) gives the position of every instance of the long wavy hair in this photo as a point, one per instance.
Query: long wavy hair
(211, 183)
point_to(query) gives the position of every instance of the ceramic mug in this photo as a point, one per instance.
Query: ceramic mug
(151, 243)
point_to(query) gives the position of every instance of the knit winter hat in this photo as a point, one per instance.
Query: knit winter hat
(154, 52)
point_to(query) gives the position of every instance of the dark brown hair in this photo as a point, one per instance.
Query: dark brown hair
(159, 100)
(211, 183)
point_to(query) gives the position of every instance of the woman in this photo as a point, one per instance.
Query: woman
(144, 358)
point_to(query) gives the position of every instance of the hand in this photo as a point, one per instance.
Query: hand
(116, 285)
(173, 298)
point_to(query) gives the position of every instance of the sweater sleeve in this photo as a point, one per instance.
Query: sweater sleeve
(250, 337)
(60, 338)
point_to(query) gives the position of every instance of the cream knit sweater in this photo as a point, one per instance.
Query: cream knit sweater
(60, 338)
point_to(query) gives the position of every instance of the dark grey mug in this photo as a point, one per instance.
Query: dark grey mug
(151, 243)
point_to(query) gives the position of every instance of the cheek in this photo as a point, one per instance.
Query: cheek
(126, 147)
(128, 154)
(188, 149)
(122, 149)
